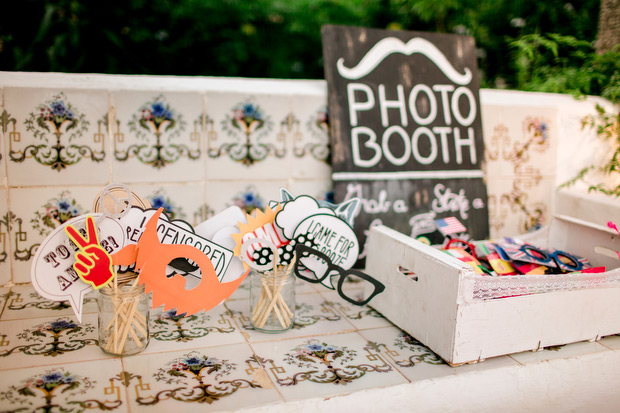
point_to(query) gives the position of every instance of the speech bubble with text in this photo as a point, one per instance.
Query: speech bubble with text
(177, 232)
(331, 236)
(52, 272)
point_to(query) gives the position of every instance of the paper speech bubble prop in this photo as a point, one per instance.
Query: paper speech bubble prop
(294, 212)
(177, 232)
(347, 211)
(331, 236)
(52, 272)
(152, 257)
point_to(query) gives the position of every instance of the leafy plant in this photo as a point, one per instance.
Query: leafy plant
(607, 128)
(563, 64)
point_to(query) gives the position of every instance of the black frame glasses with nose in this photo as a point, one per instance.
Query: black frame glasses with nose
(303, 251)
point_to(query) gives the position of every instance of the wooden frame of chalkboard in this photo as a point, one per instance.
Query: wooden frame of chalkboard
(405, 128)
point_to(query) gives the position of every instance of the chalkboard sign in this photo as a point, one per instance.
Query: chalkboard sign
(406, 133)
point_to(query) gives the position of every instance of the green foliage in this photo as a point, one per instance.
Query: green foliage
(258, 38)
(607, 126)
(563, 64)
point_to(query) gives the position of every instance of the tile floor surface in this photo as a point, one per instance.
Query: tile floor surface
(214, 360)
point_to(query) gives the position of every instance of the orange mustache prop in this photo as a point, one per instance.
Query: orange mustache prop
(152, 257)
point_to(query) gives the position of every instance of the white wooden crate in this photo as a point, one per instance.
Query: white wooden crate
(439, 309)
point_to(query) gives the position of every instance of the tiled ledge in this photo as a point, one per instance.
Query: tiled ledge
(534, 141)
(336, 358)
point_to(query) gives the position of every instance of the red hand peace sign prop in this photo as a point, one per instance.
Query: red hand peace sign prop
(92, 262)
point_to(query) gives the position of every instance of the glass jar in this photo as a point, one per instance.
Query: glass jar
(123, 319)
(272, 300)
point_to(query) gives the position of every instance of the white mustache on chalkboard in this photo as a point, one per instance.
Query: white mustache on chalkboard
(389, 45)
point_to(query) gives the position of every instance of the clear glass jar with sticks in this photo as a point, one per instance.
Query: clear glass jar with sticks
(272, 287)
(124, 311)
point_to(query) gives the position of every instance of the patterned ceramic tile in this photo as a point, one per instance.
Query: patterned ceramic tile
(247, 195)
(612, 342)
(520, 140)
(517, 207)
(308, 125)
(325, 366)
(185, 202)
(4, 295)
(222, 378)
(158, 137)
(318, 189)
(412, 358)
(56, 137)
(313, 315)
(70, 387)
(557, 352)
(248, 136)
(362, 317)
(4, 131)
(24, 302)
(170, 331)
(5, 239)
(47, 341)
(35, 213)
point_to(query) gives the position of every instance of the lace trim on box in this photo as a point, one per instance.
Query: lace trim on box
(485, 287)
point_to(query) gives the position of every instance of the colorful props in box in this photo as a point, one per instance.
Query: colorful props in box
(151, 258)
(465, 256)
(52, 272)
(489, 252)
(528, 253)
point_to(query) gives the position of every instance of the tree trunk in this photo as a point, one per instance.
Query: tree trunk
(608, 26)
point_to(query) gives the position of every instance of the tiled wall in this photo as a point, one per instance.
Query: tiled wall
(198, 145)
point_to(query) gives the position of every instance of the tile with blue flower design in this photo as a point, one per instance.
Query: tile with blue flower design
(224, 378)
(5, 238)
(313, 315)
(48, 341)
(362, 317)
(248, 136)
(308, 127)
(319, 189)
(56, 137)
(172, 331)
(179, 201)
(158, 137)
(325, 365)
(35, 213)
(24, 302)
(69, 387)
(247, 194)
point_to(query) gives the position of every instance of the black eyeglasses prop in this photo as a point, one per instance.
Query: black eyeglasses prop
(316, 267)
